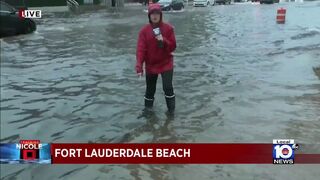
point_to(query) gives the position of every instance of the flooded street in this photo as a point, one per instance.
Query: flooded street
(239, 77)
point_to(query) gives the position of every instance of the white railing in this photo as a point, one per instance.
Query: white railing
(299, 1)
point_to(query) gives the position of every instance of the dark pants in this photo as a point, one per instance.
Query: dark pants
(151, 80)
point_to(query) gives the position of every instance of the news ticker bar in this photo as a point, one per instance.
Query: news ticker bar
(195, 153)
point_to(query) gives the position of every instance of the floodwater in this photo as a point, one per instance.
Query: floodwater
(239, 77)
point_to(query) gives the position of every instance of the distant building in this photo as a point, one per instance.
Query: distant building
(42, 3)
(35, 3)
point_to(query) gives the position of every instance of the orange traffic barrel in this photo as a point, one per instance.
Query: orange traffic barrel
(281, 16)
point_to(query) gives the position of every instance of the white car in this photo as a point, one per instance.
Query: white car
(203, 2)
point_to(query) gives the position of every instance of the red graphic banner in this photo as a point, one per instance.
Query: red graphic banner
(169, 154)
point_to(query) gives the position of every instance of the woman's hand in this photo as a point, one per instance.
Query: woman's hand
(139, 69)
(159, 37)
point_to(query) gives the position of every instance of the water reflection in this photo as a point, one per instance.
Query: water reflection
(155, 129)
(317, 71)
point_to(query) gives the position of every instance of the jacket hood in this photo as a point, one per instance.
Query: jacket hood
(155, 7)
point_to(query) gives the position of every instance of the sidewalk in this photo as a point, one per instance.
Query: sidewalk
(51, 8)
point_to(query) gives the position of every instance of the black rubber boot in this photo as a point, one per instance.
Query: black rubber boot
(148, 103)
(147, 111)
(171, 104)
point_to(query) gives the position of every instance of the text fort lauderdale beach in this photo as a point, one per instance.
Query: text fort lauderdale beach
(123, 153)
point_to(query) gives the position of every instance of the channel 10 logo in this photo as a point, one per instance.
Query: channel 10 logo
(283, 151)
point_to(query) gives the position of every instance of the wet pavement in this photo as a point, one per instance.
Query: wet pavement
(239, 77)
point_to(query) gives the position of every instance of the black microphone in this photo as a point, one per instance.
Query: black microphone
(157, 32)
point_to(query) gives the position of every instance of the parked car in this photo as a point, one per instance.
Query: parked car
(167, 5)
(203, 2)
(267, 1)
(11, 24)
(223, 1)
